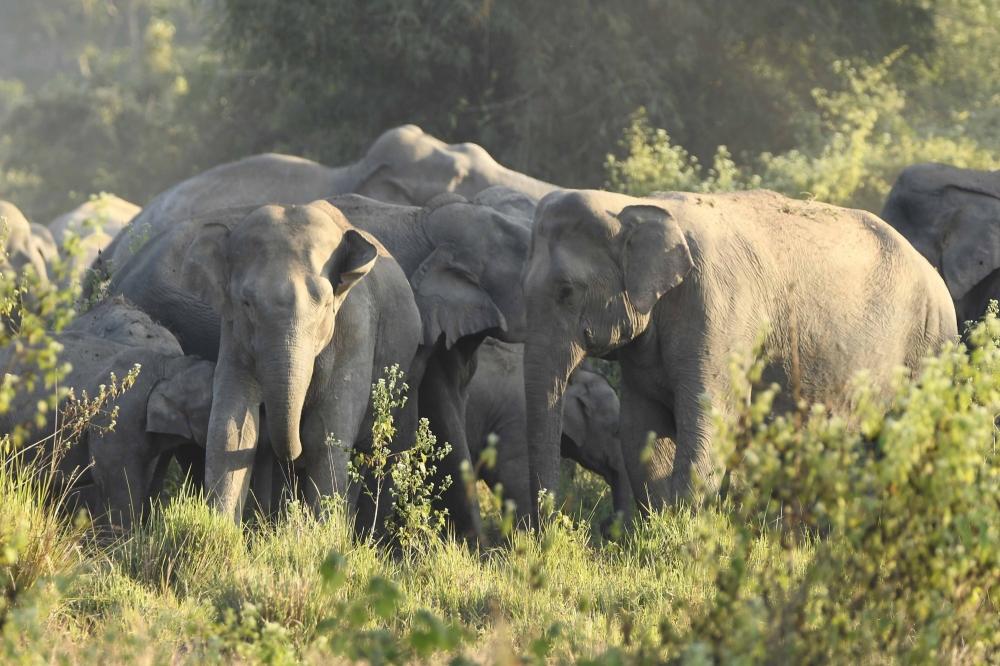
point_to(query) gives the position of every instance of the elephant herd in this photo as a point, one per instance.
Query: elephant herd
(263, 298)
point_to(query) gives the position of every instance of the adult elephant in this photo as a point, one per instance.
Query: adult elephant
(589, 428)
(671, 286)
(303, 312)
(404, 165)
(95, 224)
(115, 472)
(463, 263)
(952, 216)
(21, 247)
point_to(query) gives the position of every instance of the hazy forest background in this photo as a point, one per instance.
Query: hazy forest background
(827, 98)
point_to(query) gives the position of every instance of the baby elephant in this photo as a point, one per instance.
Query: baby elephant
(116, 472)
(590, 425)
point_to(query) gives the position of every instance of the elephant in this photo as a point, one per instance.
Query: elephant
(513, 203)
(670, 286)
(590, 425)
(95, 223)
(303, 312)
(119, 321)
(21, 247)
(114, 473)
(404, 165)
(463, 263)
(952, 217)
(45, 243)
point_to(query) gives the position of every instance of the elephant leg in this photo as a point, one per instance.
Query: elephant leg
(232, 435)
(324, 460)
(442, 402)
(267, 483)
(649, 458)
(693, 469)
(512, 466)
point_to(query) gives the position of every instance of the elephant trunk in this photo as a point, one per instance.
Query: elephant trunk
(546, 373)
(285, 380)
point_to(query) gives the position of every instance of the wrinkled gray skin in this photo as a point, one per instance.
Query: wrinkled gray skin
(22, 247)
(117, 472)
(514, 204)
(404, 166)
(119, 321)
(590, 425)
(463, 263)
(672, 286)
(303, 312)
(952, 217)
(95, 223)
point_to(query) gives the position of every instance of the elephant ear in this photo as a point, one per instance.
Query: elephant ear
(165, 412)
(206, 264)
(451, 300)
(181, 404)
(354, 258)
(655, 257)
(971, 249)
(575, 408)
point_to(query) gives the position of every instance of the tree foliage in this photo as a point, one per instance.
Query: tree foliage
(129, 96)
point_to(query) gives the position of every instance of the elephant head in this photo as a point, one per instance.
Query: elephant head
(407, 166)
(598, 266)
(278, 279)
(590, 432)
(128, 467)
(952, 217)
(470, 283)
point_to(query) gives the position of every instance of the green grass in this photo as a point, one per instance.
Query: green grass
(189, 587)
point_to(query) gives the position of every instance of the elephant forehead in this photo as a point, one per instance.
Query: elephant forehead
(299, 228)
(578, 213)
(567, 260)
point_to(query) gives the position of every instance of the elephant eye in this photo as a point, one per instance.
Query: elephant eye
(564, 293)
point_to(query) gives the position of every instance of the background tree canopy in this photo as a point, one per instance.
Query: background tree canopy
(826, 98)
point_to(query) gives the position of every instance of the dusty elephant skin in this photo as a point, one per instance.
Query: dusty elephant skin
(95, 223)
(22, 246)
(463, 263)
(952, 217)
(404, 165)
(117, 472)
(303, 312)
(590, 425)
(673, 285)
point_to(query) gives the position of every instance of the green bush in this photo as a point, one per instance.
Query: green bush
(901, 503)
(849, 150)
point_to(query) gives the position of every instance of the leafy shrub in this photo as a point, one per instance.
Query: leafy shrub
(902, 505)
(849, 150)
(407, 473)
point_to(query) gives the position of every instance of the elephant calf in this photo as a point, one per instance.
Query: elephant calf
(590, 425)
(167, 409)
(672, 286)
